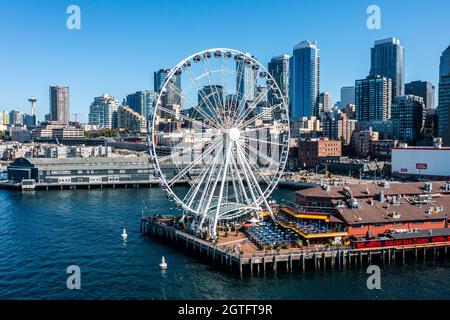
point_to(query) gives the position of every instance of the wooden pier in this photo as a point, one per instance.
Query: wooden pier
(291, 260)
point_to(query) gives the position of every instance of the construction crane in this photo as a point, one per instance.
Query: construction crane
(76, 115)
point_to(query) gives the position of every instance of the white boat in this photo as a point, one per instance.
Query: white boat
(163, 264)
(124, 234)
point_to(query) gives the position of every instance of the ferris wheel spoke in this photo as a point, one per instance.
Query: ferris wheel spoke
(193, 163)
(263, 141)
(182, 150)
(205, 208)
(239, 179)
(224, 64)
(260, 115)
(222, 185)
(208, 170)
(252, 106)
(206, 102)
(258, 171)
(258, 188)
(194, 105)
(262, 155)
(219, 103)
(181, 116)
(246, 175)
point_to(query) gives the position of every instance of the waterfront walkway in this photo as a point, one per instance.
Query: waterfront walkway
(247, 258)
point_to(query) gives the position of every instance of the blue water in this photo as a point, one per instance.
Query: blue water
(42, 233)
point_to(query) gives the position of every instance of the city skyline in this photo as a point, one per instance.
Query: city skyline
(32, 71)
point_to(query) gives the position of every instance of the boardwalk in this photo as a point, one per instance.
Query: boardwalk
(250, 260)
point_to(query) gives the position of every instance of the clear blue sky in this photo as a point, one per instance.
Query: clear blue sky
(121, 43)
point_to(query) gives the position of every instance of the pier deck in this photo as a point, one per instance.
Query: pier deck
(249, 259)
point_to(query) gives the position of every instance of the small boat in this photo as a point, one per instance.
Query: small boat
(163, 264)
(124, 234)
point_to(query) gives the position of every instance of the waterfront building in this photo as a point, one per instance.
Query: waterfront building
(347, 95)
(82, 171)
(278, 67)
(388, 59)
(408, 117)
(315, 151)
(304, 80)
(444, 97)
(103, 111)
(59, 104)
(373, 98)
(371, 210)
(422, 89)
(415, 162)
(129, 119)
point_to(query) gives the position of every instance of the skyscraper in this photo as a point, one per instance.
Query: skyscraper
(103, 111)
(278, 67)
(59, 104)
(444, 97)
(246, 78)
(373, 98)
(304, 80)
(16, 117)
(141, 102)
(408, 117)
(388, 60)
(422, 89)
(158, 78)
(171, 97)
(325, 101)
(347, 95)
(211, 96)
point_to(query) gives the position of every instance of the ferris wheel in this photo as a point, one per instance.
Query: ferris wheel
(219, 137)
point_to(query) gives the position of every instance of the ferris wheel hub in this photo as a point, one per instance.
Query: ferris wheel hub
(234, 134)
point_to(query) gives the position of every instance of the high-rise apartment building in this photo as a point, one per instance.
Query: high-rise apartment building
(373, 98)
(103, 111)
(347, 95)
(408, 117)
(422, 89)
(388, 60)
(59, 104)
(278, 67)
(304, 80)
(246, 78)
(444, 97)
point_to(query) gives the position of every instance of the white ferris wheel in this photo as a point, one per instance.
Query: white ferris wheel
(221, 128)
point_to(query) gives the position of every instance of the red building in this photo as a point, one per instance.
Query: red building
(312, 151)
(374, 209)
